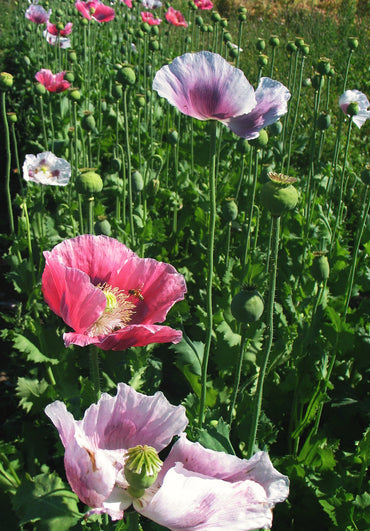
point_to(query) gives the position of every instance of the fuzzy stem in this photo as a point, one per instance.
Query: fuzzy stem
(238, 370)
(8, 163)
(94, 369)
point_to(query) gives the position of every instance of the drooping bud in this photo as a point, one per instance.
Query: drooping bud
(141, 469)
(278, 195)
(247, 305)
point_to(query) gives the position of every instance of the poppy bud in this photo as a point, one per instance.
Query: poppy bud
(261, 141)
(140, 100)
(88, 121)
(72, 56)
(6, 80)
(320, 267)
(141, 469)
(12, 117)
(198, 20)
(323, 121)
(154, 30)
(278, 195)
(216, 17)
(247, 306)
(126, 76)
(102, 226)
(117, 90)
(89, 183)
(137, 182)
(69, 76)
(153, 45)
(260, 44)
(74, 94)
(227, 37)
(40, 89)
(276, 128)
(230, 210)
(352, 43)
(145, 27)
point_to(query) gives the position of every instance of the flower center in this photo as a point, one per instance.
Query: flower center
(117, 312)
(142, 465)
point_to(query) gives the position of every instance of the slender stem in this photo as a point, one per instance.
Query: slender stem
(94, 369)
(8, 163)
(238, 370)
(275, 224)
(211, 235)
(251, 203)
(128, 154)
(296, 113)
(91, 215)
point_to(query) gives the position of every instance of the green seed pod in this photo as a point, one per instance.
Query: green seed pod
(242, 17)
(262, 60)
(84, 21)
(210, 28)
(276, 128)
(320, 267)
(247, 306)
(305, 49)
(242, 9)
(172, 137)
(27, 60)
(229, 210)
(88, 121)
(140, 100)
(278, 195)
(117, 90)
(331, 72)
(261, 141)
(243, 146)
(352, 109)
(12, 117)
(233, 52)
(291, 47)
(115, 165)
(352, 43)
(72, 56)
(274, 41)
(260, 44)
(6, 81)
(365, 175)
(299, 42)
(126, 76)
(153, 45)
(74, 94)
(102, 226)
(227, 37)
(141, 469)
(154, 30)
(145, 27)
(40, 89)
(137, 182)
(59, 25)
(323, 121)
(224, 23)
(59, 13)
(89, 183)
(323, 66)
(69, 76)
(216, 17)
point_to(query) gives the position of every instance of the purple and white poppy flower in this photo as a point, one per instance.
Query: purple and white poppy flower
(356, 96)
(37, 14)
(196, 488)
(55, 40)
(205, 86)
(46, 168)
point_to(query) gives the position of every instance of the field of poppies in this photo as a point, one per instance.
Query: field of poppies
(186, 295)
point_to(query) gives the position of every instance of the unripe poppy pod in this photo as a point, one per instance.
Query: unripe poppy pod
(320, 267)
(247, 306)
(278, 195)
(89, 183)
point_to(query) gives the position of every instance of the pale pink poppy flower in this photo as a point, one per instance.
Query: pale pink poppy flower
(356, 96)
(52, 28)
(196, 489)
(52, 82)
(203, 4)
(37, 14)
(94, 9)
(46, 168)
(148, 17)
(205, 86)
(62, 42)
(151, 4)
(109, 296)
(175, 17)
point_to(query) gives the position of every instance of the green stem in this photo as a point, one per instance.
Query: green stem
(94, 369)
(275, 224)
(238, 370)
(91, 215)
(128, 154)
(8, 163)
(211, 235)
(251, 203)
(295, 113)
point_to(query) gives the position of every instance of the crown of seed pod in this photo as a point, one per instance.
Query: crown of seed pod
(89, 183)
(279, 195)
(141, 469)
(247, 306)
(320, 266)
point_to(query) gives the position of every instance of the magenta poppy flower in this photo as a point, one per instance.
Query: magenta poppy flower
(205, 86)
(109, 296)
(176, 18)
(196, 488)
(52, 82)
(148, 17)
(356, 96)
(37, 14)
(94, 9)
(53, 30)
(203, 4)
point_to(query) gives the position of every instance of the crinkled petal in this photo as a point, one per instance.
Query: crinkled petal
(70, 294)
(229, 468)
(350, 96)
(187, 500)
(131, 418)
(205, 86)
(62, 420)
(272, 103)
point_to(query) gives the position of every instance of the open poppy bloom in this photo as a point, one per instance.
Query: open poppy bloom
(356, 96)
(62, 42)
(53, 29)
(37, 14)
(109, 296)
(128, 3)
(203, 4)
(148, 17)
(94, 9)
(46, 168)
(205, 86)
(52, 82)
(151, 4)
(176, 18)
(194, 489)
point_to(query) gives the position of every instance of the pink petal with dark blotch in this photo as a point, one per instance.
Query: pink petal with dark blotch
(83, 9)
(189, 501)
(45, 77)
(130, 336)
(205, 86)
(104, 13)
(70, 294)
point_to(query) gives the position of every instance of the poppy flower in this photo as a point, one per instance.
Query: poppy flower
(194, 489)
(37, 14)
(148, 17)
(109, 296)
(128, 3)
(46, 168)
(176, 18)
(94, 9)
(356, 96)
(203, 4)
(205, 86)
(62, 42)
(151, 4)
(52, 82)
(53, 29)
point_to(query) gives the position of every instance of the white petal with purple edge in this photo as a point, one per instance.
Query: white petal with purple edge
(350, 96)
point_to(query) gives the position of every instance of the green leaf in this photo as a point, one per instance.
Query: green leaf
(189, 353)
(32, 393)
(23, 344)
(230, 337)
(217, 437)
(47, 500)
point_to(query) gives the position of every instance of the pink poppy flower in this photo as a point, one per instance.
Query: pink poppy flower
(109, 296)
(52, 28)
(52, 82)
(37, 14)
(148, 17)
(176, 18)
(62, 42)
(46, 168)
(94, 9)
(127, 2)
(203, 4)
(196, 488)
(151, 4)
(205, 86)
(356, 96)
